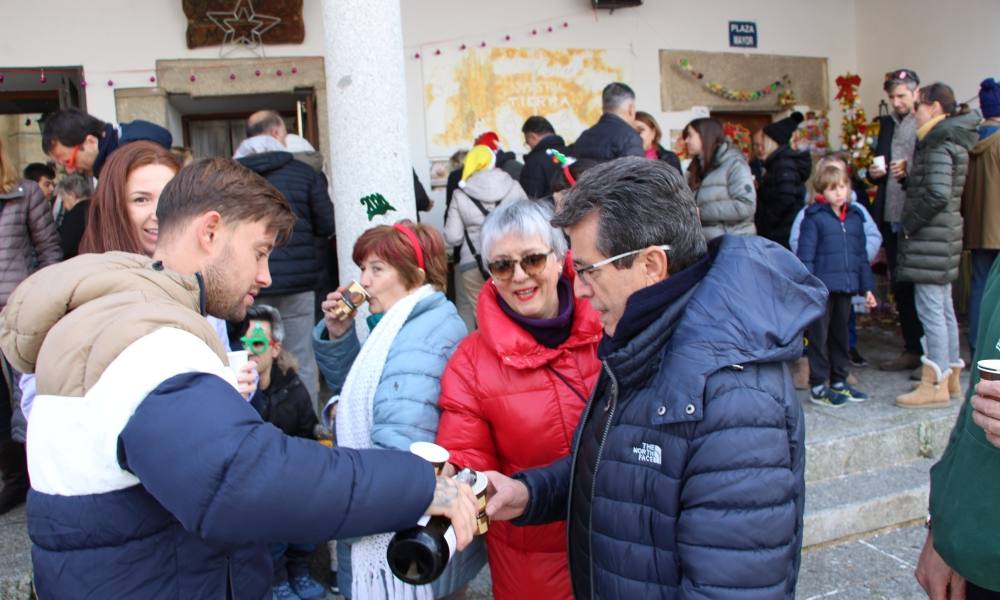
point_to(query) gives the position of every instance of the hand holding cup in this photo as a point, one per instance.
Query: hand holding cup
(986, 400)
(898, 168)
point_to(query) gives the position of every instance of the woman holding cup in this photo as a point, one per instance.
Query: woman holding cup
(513, 393)
(388, 387)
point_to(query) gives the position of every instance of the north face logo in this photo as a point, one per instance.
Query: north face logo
(650, 453)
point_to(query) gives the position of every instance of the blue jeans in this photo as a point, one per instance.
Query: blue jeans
(937, 315)
(290, 560)
(982, 262)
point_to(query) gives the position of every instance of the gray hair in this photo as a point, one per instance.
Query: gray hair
(76, 184)
(524, 218)
(267, 120)
(639, 203)
(615, 96)
(263, 312)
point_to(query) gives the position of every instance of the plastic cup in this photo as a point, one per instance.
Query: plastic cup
(432, 453)
(879, 162)
(237, 359)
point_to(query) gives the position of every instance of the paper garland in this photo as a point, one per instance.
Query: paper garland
(739, 95)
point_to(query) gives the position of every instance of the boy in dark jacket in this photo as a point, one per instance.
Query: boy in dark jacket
(282, 400)
(832, 247)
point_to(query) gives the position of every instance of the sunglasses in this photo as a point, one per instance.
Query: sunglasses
(503, 269)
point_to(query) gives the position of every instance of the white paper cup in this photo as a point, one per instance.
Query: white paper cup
(237, 359)
(989, 370)
(432, 453)
(879, 162)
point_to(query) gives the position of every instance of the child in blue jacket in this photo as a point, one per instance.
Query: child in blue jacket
(832, 246)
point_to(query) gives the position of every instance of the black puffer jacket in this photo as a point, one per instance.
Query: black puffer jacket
(536, 176)
(294, 264)
(930, 244)
(610, 138)
(782, 192)
(286, 404)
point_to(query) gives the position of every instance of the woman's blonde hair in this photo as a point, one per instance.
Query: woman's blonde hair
(8, 173)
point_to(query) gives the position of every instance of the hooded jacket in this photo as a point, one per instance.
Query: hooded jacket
(151, 476)
(930, 245)
(28, 237)
(697, 477)
(294, 264)
(981, 195)
(782, 192)
(610, 138)
(128, 132)
(509, 403)
(536, 176)
(726, 197)
(490, 187)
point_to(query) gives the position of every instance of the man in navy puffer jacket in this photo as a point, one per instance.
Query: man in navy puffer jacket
(295, 265)
(687, 473)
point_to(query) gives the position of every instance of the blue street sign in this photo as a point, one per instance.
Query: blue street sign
(743, 34)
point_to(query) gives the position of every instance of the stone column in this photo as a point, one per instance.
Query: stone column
(366, 96)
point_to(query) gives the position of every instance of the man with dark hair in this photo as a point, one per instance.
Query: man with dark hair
(296, 264)
(151, 476)
(690, 453)
(897, 139)
(45, 176)
(539, 167)
(82, 143)
(613, 135)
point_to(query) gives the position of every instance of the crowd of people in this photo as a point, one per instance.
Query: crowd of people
(638, 431)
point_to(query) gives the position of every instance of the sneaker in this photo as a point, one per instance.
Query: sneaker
(308, 588)
(856, 359)
(284, 591)
(334, 586)
(824, 396)
(849, 393)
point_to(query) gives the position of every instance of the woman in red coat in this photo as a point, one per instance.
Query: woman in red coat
(513, 392)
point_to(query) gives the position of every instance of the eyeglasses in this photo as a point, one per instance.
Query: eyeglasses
(585, 272)
(532, 264)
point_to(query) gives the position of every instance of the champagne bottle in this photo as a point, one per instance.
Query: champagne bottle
(420, 554)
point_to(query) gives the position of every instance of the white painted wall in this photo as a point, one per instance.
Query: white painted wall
(952, 42)
(784, 27)
(107, 37)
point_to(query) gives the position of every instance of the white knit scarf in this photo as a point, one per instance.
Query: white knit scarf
(370, 575)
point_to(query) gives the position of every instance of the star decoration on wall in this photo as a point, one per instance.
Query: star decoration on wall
(243, 28)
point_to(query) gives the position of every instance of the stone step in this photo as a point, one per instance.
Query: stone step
(880, 444)
(860, 503)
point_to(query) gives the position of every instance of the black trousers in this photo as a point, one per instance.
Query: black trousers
(828, 345)
(906, 306)
(974, 592)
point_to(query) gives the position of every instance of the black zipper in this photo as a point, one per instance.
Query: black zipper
(610, 409)
(572, 472)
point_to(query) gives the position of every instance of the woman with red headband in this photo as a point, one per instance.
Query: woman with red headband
(387, 388)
